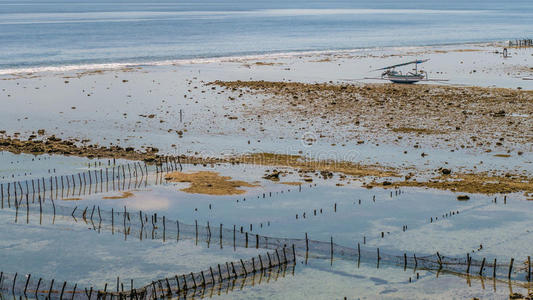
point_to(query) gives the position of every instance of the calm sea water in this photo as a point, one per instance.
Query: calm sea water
(37, 34)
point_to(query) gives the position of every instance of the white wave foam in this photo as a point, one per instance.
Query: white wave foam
(207, 60)
(114, 66)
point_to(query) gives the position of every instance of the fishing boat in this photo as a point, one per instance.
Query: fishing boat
(398, 77)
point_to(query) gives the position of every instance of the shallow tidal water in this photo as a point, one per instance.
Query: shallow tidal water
(71, 251)
(319, 279)
(82, 254)
(136, 73)
(351, 214)
(17, 167)
(42, 34)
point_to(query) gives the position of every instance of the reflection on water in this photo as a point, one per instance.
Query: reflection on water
(416, 221)
(319, 280)
(399, 220)
(73, 251)
(17, 167)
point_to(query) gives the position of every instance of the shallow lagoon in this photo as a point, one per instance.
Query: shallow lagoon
(271, 209)
(501, 228)
(320, 280)
(351, 214)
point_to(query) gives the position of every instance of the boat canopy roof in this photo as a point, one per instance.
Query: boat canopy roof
(419, 61)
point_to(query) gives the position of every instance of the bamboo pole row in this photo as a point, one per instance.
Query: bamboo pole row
(84, 182)
(226, 272)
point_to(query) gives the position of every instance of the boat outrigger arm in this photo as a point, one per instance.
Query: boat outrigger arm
(398, 77)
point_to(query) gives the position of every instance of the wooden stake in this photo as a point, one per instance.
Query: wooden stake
(196, 227)
(212, 276)
(467, 263)
(26, 286)
(112, 220)
(37, 288)
(203, 278)
(184, 282)
(74, 291)
(331, 245)
(233, 269)
(529, 268)
(494, 269)
(178, 228)
(261, 262)
(62, 290)
(193, 280)
(244, 268)
(164, 228)
(50, 289)
(220, 235)
(306, 243)
(177, 279)
(253, 264)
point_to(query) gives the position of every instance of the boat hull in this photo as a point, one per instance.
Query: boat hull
(405, 79)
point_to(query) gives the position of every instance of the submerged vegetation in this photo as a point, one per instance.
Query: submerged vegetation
(209, 183)
(204, 182)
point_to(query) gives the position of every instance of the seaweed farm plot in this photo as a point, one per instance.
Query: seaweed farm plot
(320, 279)
(87, 181)
(90, 251)
(16, 167)
(113, 233)
(181, 230)
(393, 219)
(84, 251)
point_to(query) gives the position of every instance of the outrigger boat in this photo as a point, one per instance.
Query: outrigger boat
(398, 77)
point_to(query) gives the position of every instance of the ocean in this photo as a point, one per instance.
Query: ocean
(36, 35)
